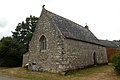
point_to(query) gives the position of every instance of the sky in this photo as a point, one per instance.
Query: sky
(102, 16)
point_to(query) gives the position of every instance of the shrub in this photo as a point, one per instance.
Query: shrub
(116, 62)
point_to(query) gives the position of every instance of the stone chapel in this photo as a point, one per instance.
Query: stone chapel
(59, 45)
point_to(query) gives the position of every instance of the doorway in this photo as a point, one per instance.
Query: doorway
(94, 58)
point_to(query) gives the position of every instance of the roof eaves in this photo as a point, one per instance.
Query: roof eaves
(85, 41)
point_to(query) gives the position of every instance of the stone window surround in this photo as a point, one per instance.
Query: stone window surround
(42, 43)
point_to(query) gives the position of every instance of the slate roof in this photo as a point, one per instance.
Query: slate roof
(72, 30)
(117, 43)
(109, 44)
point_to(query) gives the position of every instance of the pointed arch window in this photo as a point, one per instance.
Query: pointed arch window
(43, 43)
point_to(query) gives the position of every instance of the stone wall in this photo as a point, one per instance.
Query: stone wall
(48, 59)
(25, 59)
(81, 54)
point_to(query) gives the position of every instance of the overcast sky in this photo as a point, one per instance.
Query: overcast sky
(102, 16)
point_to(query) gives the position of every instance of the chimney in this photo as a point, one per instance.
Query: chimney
(86, 26)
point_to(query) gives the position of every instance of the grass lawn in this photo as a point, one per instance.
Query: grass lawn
(104, 72)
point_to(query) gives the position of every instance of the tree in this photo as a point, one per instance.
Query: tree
(24, 31)
(13, 48)
(9, 52)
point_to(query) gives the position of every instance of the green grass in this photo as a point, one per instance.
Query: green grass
(88, 71)
(71, 75)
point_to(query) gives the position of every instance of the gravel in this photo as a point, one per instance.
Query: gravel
(5, 77)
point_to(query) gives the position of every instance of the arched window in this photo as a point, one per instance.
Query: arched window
(42, 42)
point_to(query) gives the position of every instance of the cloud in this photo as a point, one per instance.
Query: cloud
(3, 22)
